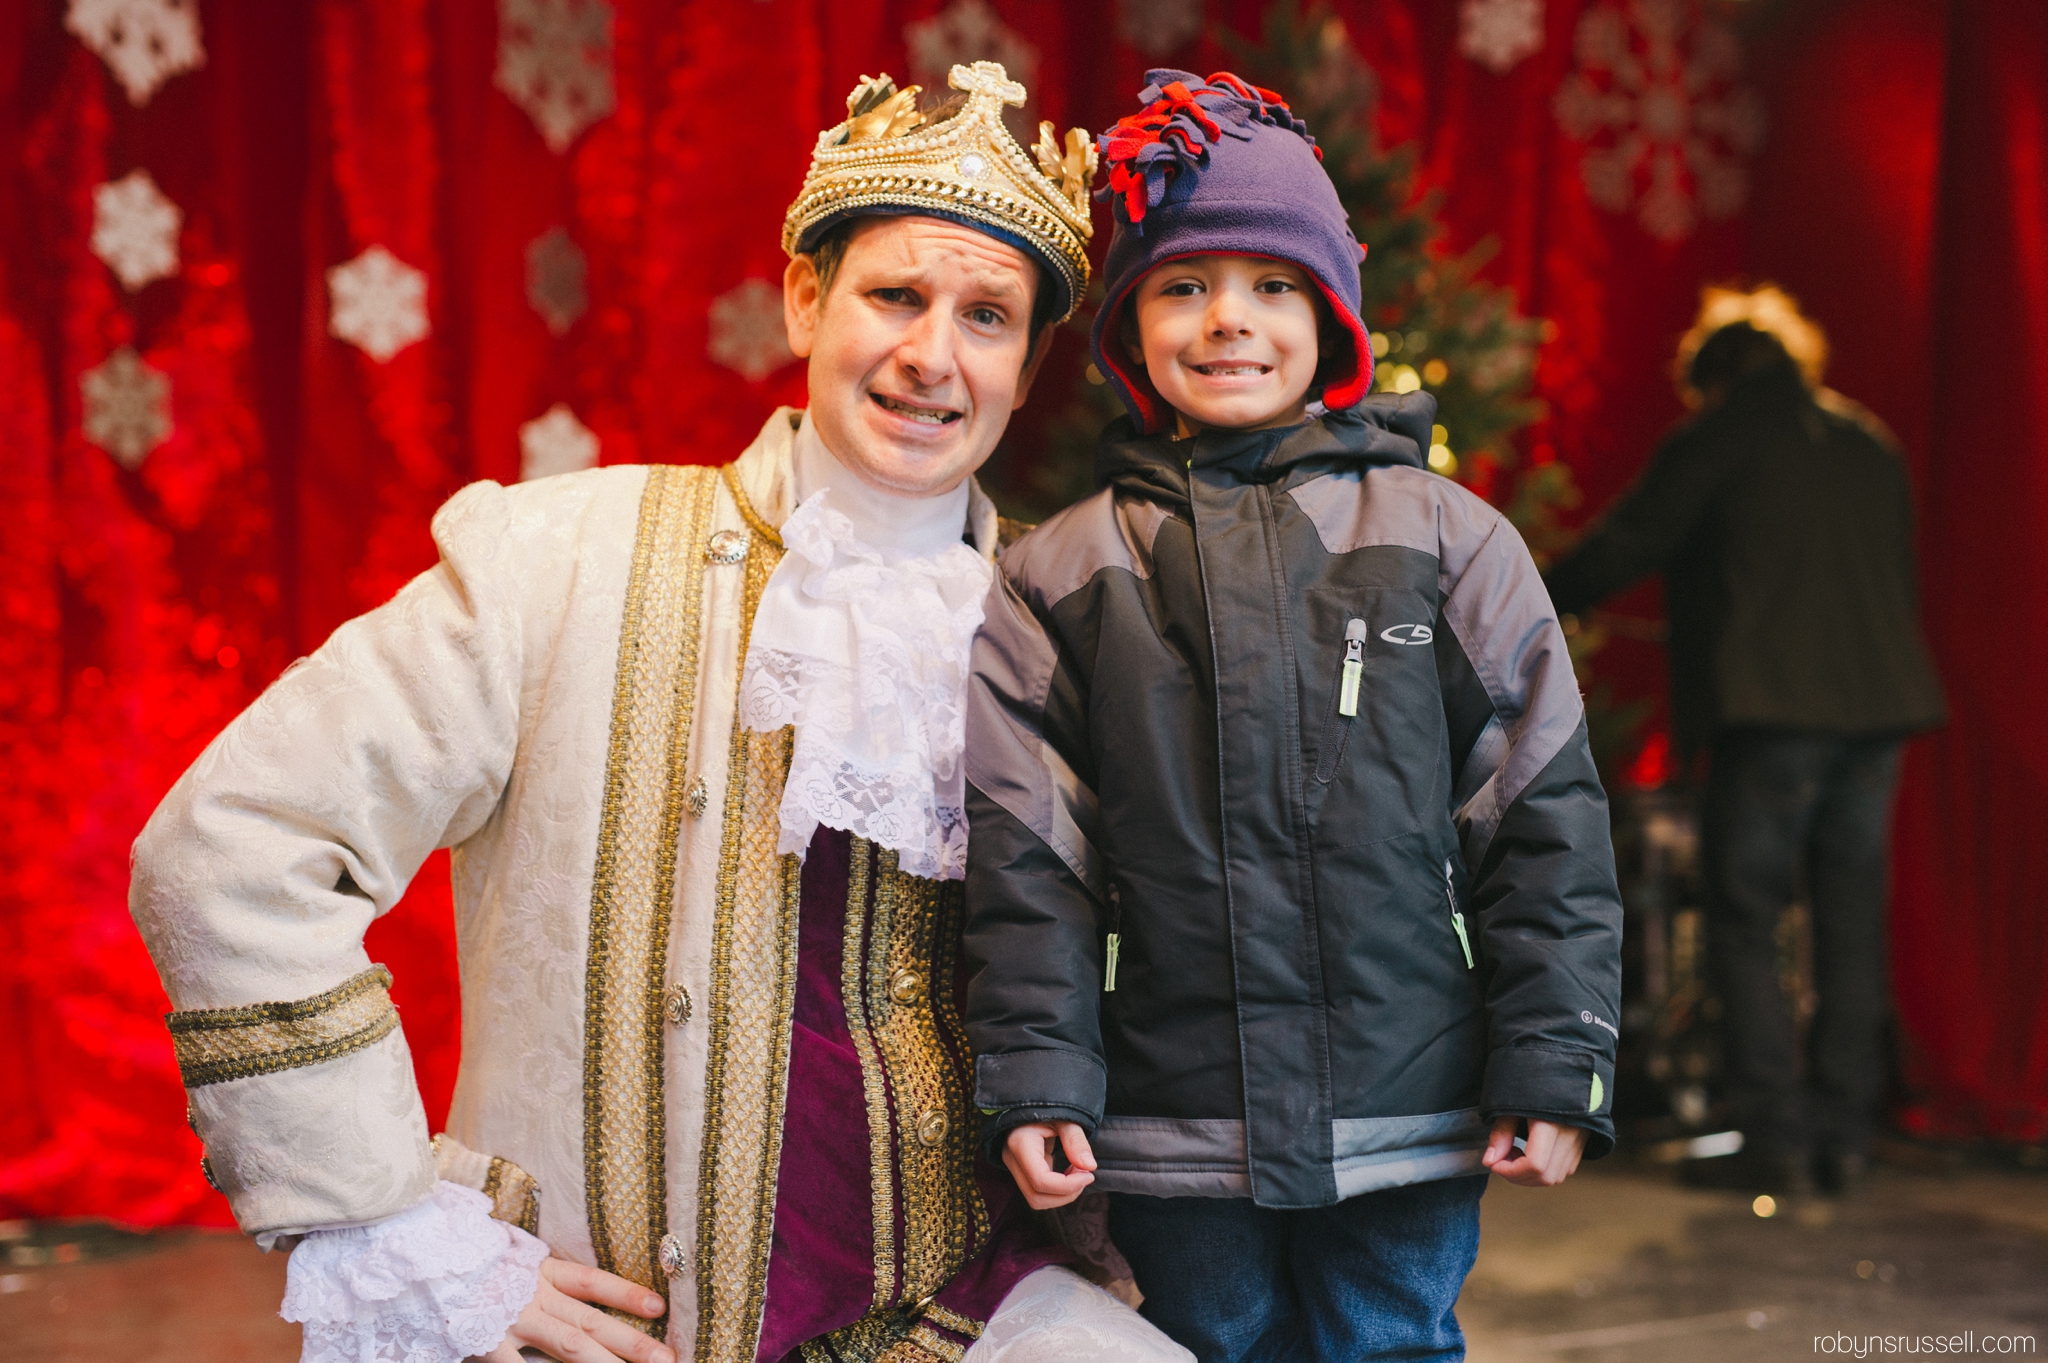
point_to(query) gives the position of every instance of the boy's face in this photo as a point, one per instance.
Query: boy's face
(919, 359)
(1229, 341)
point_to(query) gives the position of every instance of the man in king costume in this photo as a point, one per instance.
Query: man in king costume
(695, 736)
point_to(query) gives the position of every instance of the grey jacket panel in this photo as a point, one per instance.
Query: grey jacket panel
(1162, 1157)
(1329, 913)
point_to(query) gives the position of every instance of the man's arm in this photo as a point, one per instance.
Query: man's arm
(254, 882)
(1640, 532)
(1033, 886)
(1533, 825)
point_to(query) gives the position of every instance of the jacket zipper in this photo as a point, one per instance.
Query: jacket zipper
(1354, 669)
(1350, 679)
(1457, 919)
(1113, 945)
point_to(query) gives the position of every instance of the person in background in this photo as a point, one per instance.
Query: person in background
(1781, 517)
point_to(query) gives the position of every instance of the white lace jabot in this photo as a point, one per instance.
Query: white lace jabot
(861, 641)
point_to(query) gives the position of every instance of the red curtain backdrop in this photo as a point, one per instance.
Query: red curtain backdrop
(1899, 193)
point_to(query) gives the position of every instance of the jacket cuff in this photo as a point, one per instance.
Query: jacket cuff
(996, 1127)
(1043, 1077)
(1553, 1084)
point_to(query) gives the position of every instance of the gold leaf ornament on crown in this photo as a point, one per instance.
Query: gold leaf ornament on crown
(886, 155)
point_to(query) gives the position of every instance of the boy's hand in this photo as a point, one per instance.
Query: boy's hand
(1028, 1156)
(1550, 1154)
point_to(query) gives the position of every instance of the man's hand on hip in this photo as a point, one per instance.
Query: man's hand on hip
(1550, 1154)
(1028, 1155)
(561, 1322)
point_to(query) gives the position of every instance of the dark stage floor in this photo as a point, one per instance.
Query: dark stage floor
(1621, 1263)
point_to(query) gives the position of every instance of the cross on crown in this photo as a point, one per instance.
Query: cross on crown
(987, 78)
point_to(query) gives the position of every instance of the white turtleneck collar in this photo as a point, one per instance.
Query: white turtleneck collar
(861, 642)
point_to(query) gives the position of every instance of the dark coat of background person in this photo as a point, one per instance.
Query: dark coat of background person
(1782, 521)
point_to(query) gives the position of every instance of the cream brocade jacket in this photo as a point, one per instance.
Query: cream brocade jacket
(554, 701)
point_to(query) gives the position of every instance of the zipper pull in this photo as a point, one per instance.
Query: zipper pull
(1354, 669)
(1457, 919)
(1112, 946)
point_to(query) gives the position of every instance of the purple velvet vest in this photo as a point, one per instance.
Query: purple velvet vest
(892, 1234)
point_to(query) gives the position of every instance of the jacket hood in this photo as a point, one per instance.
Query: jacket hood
(1384, 429)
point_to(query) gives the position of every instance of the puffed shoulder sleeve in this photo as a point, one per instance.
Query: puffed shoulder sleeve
(254, 881)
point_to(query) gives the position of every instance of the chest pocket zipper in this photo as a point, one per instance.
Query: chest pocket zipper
(1457, 919)
(1350, 681)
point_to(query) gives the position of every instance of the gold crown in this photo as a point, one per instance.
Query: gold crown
(966, 166)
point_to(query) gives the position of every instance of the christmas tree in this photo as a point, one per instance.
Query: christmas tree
(1435, 324)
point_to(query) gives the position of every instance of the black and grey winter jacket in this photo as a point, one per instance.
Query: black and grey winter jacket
(1357, 920)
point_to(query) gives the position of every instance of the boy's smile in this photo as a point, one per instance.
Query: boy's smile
(1229, 341)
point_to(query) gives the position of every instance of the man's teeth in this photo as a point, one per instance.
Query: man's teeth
(931, 416)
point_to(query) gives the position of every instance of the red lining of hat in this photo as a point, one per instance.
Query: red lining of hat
(1347, 394)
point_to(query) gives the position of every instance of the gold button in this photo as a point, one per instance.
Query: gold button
(697, 797)
(675, 1005)
(906, 986)
(932, 1127)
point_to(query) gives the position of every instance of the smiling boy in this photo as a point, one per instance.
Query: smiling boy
(1291, 897)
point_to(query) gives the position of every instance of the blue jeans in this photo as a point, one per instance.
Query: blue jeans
(1374, 1277)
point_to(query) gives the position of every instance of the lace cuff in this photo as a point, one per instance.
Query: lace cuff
(437, 1283)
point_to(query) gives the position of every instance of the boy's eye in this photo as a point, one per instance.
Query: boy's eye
(1276, 286)
(1186, 288)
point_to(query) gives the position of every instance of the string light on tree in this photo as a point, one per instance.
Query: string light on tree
(135, 230)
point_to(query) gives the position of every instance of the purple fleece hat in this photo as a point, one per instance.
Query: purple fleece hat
(1220, 167)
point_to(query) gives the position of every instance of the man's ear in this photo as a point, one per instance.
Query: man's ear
(801, 300)
(1039, 348)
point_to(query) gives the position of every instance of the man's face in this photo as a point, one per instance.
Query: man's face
(917, 353)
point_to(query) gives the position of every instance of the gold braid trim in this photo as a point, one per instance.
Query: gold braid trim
(752, 993)
(514, 1195)
(753, 519)
(861, 920)
(633, 886)
(214, 1045)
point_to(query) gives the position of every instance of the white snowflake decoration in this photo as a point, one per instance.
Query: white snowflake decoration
(127, 407)
(1499, 33)
(1659, 101)
(555, 62)
(1158, 27)
(379, 303)
(555, 442)
(143, 42)
(556, 279)
(963, 33)
(135, 229)
(747, 334)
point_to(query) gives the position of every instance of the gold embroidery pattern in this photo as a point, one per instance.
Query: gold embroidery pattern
(214, 1045)
(633, 888)
(752, 992)
(514, 1195)
(896, 972)
(887, 1337)
(953, 1320)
